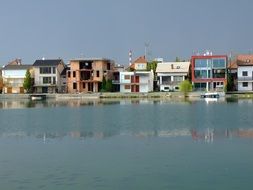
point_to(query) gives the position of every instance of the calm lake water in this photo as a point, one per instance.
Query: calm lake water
(126, 145)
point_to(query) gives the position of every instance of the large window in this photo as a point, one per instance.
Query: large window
(45, 70)
(178, 78)
(54, 70)
(202, 74)
(47, 80)
(202, 63)
(74, 86)
(219, 63)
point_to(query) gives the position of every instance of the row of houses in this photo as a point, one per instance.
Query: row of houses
(206, 72)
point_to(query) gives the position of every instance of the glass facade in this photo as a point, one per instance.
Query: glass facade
(210, 68)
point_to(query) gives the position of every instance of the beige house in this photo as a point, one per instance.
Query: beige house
(13, 75)
(86, 74)
(47, 74)
(171, 74)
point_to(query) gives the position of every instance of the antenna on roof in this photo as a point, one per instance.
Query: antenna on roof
(130, 57)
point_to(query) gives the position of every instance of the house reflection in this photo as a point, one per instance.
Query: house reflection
(208, 135)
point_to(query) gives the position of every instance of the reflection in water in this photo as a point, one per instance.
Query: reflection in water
(208, 135)
(19, 104)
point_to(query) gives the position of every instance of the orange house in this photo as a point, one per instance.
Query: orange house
(86, 74)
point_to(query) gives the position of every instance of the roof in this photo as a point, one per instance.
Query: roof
(17, 67)
(244, 60)
(91, 59)
(173, 67)
(47, 62)
(140, 59)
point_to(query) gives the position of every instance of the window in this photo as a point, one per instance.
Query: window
(54, 80)
(127, 87)
(84, 86)
(54, 70)
(244, 84)
(108, 66)
(69, 74)
(219, 63)
(47, 80)
(74, 74)
(97, 73)
(74, 85)
(245, 73)
(202, 63)
(45, 70)
(127, 77)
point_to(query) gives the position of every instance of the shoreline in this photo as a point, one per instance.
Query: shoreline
(117, 95)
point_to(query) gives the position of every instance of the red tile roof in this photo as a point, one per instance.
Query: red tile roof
(244, 59)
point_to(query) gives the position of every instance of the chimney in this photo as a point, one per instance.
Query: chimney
(172, 66)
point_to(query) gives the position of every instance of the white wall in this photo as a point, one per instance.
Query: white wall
(241, 88)
(13, 73)
(146, 81)
(248, 78)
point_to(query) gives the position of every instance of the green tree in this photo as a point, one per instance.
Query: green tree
(152, 66)
(185, 87)
(27, 82)
(108, 86)
(177, 59)
(230, 83)
(103, 87)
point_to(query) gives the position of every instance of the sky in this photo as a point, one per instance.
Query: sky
(67, 29)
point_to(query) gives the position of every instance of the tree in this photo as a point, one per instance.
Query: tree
(177, 59)
(108, 86)
(103, 85)
(230, 83)
(28, 82)
(152, 66)
(185, 87)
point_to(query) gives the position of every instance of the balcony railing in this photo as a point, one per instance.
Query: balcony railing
(245, 78)
(171, 82)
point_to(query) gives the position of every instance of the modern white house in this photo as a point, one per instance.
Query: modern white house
(13, 76)
(171, 74)
(136, 81)
(245, 72)
(47, 74)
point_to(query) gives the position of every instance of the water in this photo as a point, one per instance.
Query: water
(126, 145)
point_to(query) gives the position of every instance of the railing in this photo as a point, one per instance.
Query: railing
(245, 78)
(171, 82)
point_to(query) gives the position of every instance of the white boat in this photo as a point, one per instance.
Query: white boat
(38, 97)
(210, 95)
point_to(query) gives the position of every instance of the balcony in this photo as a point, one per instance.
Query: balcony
(246, 79)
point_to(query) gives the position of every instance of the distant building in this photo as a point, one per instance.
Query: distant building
(136, 81)
(86, 74)
(47, 74)
(136, 78)
(209, 72)
(245, 72)
(171, 74)
(13, 75)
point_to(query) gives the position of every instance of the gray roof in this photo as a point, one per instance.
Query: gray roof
(17, 67)
(47, 62)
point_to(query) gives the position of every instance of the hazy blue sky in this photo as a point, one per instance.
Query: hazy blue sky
(32, 29)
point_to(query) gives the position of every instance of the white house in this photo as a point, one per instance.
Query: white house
(48, 75)
(13, 76)
(171, 74)
(245, 72)
(136, 81)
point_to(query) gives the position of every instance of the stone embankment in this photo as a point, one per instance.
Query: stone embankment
(102, 95)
